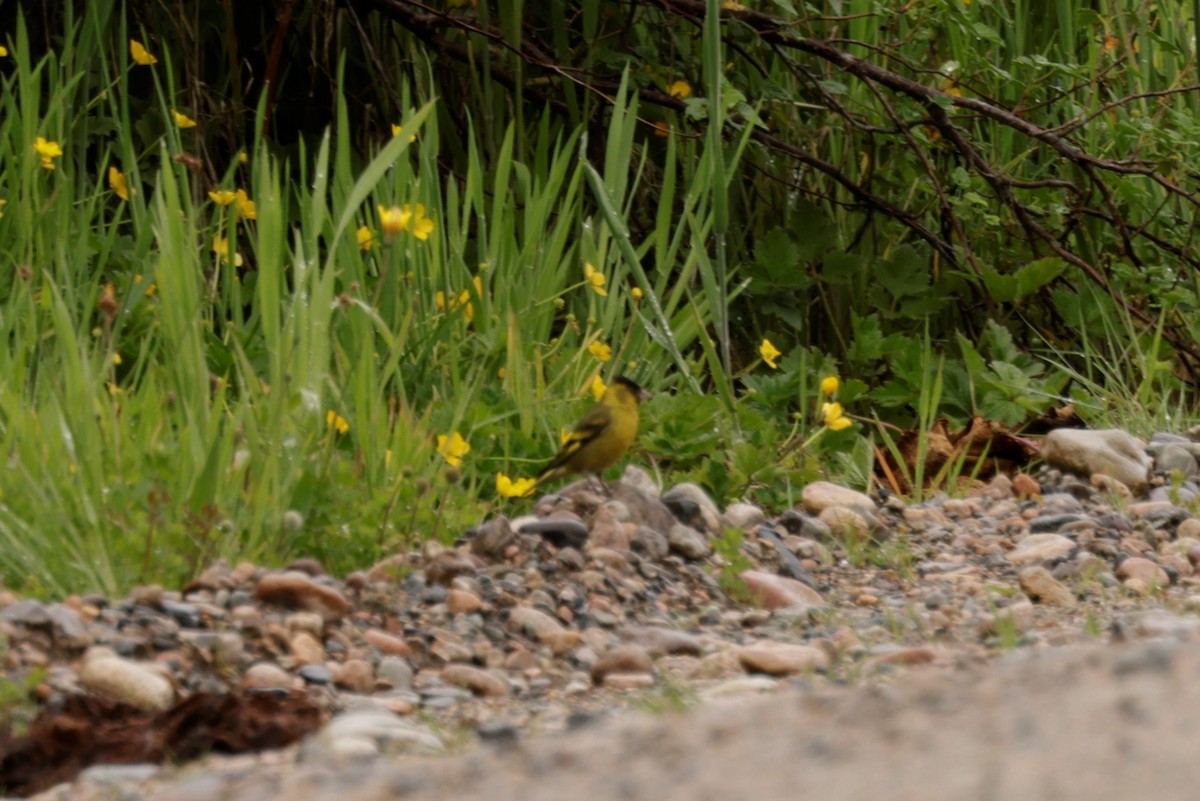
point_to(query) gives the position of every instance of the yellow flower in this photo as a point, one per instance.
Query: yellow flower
(48, 150)
(600, 351)
(183, 120)
(732, 5)
(514, 489)
(595, 280)
(834, 419)
(829, 385)
(598, 388)
(365, 238)
(336, 422)
(398, 129)
(118, 184)
(393, 220)
(222, 197)
(769, 353)
(3, 51)
(680, 90)
(245, 205)
(636, 293)
(406, 218)
(116, 358)
(220, 246)
(243, 157)
(140, 54)
(453, 448)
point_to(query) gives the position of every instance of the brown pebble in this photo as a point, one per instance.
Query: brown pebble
(306, 649)
(444, 567)
(462, 602)
(1144, 570)
(628, 681)
(298, 591)
(1037, 582)
(1025, 486)
(780, 658)
(307, 565)
(621, 659)
(355, 675)
(387, 643)
(776, 592)
(477, 680)
(266, 676)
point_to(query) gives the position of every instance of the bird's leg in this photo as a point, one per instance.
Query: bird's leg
(598, 478)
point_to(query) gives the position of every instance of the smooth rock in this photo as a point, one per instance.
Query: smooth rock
(691, 505)
(355, 675)
(1039, 585)
(744, 516)
(1040, 548)
(136, 683)
(687, 542)
(266, 676)
(477, 680)
(387, 643)
(306, 649)
(621, 659)
(780, 658)
(773, 592)
(299, 591)
(821, 495)
(533, 623)
(493, 538)
(1110, 452)
(462, 602)
(1144, 570)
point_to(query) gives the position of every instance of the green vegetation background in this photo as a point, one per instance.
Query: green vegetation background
(454, 218)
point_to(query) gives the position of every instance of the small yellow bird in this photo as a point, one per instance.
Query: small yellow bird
(601, 436)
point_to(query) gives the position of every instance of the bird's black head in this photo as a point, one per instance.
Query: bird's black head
(632, 386)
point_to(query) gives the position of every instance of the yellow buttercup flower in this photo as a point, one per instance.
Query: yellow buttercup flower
(600, 351)
(769, 353)
(220, 246)
(598, 387)
(408, 217)
(508, 488)
(245, 205)
(140, 54)
(48, 150)
(365, 238)
(222, 197)
(3, 51)
(829, 385)
(183, 120)
(595, 280)
(835, 420)
(336, 422)
(680, 90)
(636, 293)
(117, 183)
(453, 448)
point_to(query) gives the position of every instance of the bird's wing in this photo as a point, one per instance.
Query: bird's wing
(592, 425)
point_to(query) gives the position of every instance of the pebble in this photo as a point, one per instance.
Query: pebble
(776, 592)
(266, 676)
(780, 658)
(1040, 548)
(1109, 452)
(136, 683)
(1040, 585)
(297, 590)
(818, 496)
(687, 542)
(627, 658)
(479, 681)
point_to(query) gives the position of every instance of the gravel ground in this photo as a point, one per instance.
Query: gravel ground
(1035, 639)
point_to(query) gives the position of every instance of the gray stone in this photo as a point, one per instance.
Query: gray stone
(687, 542)
(1110, 452)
